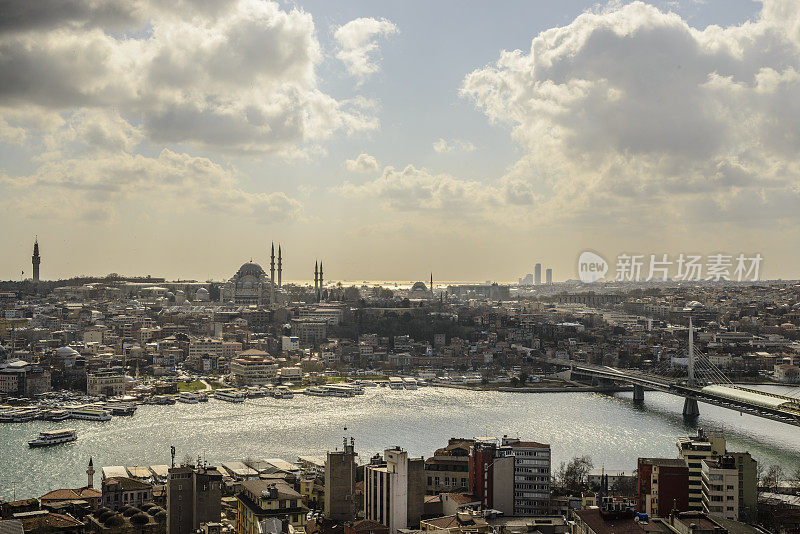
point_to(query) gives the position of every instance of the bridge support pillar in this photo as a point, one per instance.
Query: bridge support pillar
(638, 393)
(690, 409)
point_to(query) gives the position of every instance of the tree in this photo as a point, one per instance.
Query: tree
(773, 476)
(572, 477)
(625, 486)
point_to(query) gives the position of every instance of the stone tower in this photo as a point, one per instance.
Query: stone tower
(90, 474)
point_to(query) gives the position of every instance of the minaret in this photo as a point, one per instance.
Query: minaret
(280, 266)
(431, 283)
(36, 260)
(272, 276)
(320, 281)
(90, 474)
(316, 276)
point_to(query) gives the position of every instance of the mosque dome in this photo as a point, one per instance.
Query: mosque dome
(419, 286)
(250, 269)
(66, 352)
(202, 295)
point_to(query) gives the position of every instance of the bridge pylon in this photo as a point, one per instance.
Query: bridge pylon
(690, 408)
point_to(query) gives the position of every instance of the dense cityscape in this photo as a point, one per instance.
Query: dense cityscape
(94, 352)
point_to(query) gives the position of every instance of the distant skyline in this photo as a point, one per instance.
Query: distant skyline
(395, 139)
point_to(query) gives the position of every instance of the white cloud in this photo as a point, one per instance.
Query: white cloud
(444, 146)
(93, 188)
(236, 75)
(358, 45)
(412, 189)
(363, 163)
(631, 112)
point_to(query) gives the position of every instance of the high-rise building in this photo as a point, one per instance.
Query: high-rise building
(194, 497)
(537, 274)
(663, 486)
(693, 450)
(512, 477)
(394, 490)
(340, 484)
(36, 259)
(548, 275)
(720, 487)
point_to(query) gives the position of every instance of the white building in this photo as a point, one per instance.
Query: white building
(394, 492)
(720, 484)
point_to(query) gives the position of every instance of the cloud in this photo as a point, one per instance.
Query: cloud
(357, 41)
(234, 76)
(444, 146)
(363, 163)
(412, 189)
(94, 188)
(629, 111)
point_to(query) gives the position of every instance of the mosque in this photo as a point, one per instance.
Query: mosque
(251, 285)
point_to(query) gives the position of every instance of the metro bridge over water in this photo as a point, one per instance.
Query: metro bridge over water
(703, 382)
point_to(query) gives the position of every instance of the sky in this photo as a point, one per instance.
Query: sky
(471, 140)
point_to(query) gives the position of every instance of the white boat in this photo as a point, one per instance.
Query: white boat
(89, 413)
(395, 382)
(367, 383)
(282, 392)
(57, 415)
(229, 395)
(409, 383)
(53, 437)
(315, 391)
(189, 398)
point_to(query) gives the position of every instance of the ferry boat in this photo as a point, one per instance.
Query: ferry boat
(282, 392)
(21, 415)
(53, 437)
(229, 395)
(315, 391)
(395, 382)
(367, 383)
(338, 390)
(89, 413)
(189, 398)
(121, 408)
(409, 383)
(56, 415)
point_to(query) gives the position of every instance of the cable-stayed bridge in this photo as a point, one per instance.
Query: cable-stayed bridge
(702, 382)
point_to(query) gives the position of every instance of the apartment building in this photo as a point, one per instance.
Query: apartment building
(194, 497)
(663, 486)
(448, 469)
(253, 368)
(340, 484)
(394, 490)
(109, 383)
(261, 502)
(720, 486)
(693, 450)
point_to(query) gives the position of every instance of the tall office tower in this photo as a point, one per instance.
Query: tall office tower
(693, 450)
(193, 498)
(548, 275)
(340, 483)
(36, 260)
(663, 486)
(394, 490)
(537, 274)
